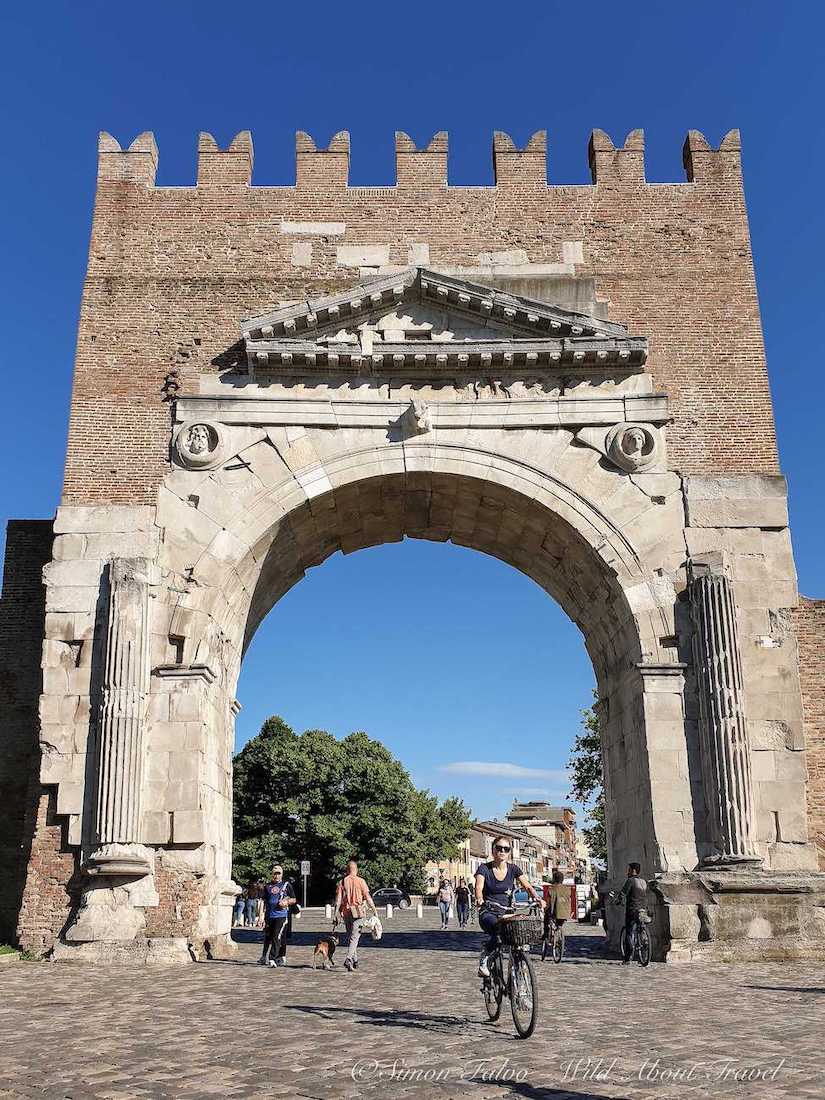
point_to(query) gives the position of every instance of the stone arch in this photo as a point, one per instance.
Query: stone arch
(567, 540)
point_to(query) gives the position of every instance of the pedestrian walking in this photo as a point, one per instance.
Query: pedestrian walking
(239, 911)
(353, 902)
(260, 906)
(462, 903)
(278, 897)
(445, 901)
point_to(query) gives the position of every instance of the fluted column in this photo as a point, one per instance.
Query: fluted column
(725, 742)
(121, 719)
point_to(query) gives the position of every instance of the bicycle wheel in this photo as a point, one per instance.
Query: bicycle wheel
(643, 945)
(524, 994)
(493, 989)
(545, 948)
(558, 945)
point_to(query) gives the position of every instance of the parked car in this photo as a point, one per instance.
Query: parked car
(391, 895)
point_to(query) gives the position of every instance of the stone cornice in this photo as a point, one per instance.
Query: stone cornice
(545, 412)
(366, 300)
(457, 356)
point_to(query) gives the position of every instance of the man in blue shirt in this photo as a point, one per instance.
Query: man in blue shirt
(278, 896)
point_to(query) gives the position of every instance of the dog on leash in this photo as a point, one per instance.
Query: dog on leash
(324, 951)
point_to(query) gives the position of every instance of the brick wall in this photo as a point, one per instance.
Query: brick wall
(172, 270)
(22, 613)
(810, 622)
(52, 884)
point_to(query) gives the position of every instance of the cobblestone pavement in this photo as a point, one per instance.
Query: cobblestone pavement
(409, 1022)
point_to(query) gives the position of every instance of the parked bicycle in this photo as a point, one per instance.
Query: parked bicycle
(515, 980)
(552, 943)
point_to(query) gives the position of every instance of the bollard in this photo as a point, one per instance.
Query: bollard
(419, 910)
(328, 912)
(389, 912)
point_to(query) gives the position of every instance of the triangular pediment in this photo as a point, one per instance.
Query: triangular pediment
(417, 316)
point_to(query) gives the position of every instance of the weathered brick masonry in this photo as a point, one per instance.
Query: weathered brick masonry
(171, 269)
(810, 621)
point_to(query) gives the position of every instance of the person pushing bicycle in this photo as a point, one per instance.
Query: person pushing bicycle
(633, 893)
(495, 884)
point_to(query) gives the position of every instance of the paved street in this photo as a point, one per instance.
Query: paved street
(410, 1022)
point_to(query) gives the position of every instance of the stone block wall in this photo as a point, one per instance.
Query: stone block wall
(810, 626)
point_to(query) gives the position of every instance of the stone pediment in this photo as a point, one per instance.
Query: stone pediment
(418, 318)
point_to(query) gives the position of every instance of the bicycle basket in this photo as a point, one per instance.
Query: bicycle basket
(521, 929)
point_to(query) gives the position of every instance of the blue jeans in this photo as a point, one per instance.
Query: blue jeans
(463, 913)
(444, 906)
(488, 921)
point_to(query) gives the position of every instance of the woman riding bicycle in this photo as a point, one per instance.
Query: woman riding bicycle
(495, 885)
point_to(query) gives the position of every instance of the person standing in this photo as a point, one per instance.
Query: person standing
(445, 901)
(352, 902)
(462, 903)
(251, 904)
(260, 907)
(278, 897)
(240, 909)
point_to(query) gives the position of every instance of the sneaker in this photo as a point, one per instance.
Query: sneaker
(483, 968)
(280, 961)
(261, 961)
(348, 965)
(355, 964)
(272, 963)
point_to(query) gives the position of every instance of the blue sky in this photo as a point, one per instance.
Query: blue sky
(502, 680)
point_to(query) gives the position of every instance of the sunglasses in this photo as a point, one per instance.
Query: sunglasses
(501, 848)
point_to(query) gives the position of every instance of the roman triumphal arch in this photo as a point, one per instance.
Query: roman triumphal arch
(504, 404)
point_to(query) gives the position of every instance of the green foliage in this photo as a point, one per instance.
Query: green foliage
(310, 796)
(587, 773)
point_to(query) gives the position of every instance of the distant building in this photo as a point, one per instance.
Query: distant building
(584, 862)
(555, 825)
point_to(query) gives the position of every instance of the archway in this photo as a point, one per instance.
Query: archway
(535, 523)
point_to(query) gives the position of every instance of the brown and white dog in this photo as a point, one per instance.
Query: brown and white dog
(324, 950)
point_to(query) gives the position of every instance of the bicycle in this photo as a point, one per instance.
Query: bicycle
(639, 940)
(517, 932)
(553, 941)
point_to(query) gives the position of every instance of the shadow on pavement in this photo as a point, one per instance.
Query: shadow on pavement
(789, 988)
(578, 949)
(388, 1018)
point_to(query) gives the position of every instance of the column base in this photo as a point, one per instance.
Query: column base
(158, 951)
(122, 861)
(738, 914)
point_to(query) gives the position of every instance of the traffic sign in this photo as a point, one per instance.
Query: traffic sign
(304, 868)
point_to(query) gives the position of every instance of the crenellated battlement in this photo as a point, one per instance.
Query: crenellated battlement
(514, 167)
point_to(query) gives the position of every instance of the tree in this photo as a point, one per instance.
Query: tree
(587, 772)
(311, 796)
